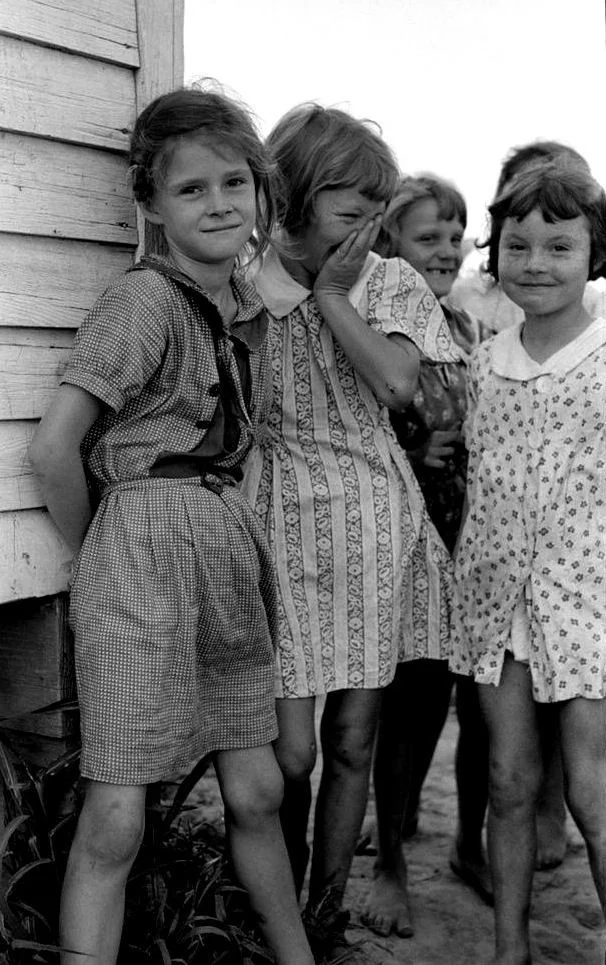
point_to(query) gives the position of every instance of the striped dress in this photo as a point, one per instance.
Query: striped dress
(363, 577)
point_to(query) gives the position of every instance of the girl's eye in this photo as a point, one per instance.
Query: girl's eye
(560, 248)
(191, 189)
(237, 182)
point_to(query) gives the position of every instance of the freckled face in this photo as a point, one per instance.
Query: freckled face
(337, 212)
(205, 202)
(432, 245)
(544, 267)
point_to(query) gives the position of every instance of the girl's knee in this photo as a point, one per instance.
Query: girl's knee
(512, 789)
(297, 759)
(251, 803)
(110, 836)
(350, 747)
(586, 799)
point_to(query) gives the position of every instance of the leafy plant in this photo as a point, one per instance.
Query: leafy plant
(182, 905)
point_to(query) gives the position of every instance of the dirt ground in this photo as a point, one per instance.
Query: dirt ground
(452, 925)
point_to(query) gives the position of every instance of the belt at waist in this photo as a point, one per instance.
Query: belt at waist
(216, 482)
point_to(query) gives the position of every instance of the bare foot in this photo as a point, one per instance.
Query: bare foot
(551, 839)
(386, 908)
(474, 872)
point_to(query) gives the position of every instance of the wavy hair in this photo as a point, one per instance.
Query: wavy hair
(411, 190)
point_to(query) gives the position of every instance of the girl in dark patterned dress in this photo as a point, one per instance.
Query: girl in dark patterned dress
(173, 598)
(424, 224)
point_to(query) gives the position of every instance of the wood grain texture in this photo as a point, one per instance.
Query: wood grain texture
(29, 376)
(106, 29)
(64, 191)
(34, 559)
(52, 283)
(54, 94)
(18, 486)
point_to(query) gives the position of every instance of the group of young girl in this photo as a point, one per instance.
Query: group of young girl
(269, 443)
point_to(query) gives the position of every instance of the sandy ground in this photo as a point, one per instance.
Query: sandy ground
(452, 925)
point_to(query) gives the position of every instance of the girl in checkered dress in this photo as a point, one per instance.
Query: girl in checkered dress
(173, 604)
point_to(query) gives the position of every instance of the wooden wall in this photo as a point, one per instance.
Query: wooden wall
(73, 76)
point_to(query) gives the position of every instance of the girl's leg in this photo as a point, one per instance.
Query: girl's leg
(348, 730)
(107, 839)
(413, 711)
(583, 741)
(296, 753)
(514, 781)
(551, 810)
(251, 786)
(468, 860)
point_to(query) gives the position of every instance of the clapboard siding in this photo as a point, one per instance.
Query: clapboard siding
(49, 188)
(103, 29)
(31, 375)
(61, 96)
(18, 486)
(29, 543)
(51, 282)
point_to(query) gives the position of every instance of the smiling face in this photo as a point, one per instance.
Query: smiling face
(544, 267)
(431, 244)
(337, 212)
(205, 203)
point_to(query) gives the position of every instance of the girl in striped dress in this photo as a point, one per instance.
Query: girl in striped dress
(360, 567)
(173, 598)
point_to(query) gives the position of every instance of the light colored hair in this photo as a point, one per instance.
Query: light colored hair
(317, 149)
(411, 190)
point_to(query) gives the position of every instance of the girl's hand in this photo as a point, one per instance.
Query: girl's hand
(438, 448)
(341, 269)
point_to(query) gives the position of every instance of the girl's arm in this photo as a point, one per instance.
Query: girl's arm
(55, 457)
(389, 365)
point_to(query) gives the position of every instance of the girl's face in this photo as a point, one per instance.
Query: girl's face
(205, 202)
(431, 244)
(544, 267)
(337, 212)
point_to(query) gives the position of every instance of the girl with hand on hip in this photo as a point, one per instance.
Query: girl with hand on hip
(344, 515)
(173, 597)
(530, 566)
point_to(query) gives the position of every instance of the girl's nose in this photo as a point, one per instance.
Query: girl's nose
(219, 203)
(535, 260)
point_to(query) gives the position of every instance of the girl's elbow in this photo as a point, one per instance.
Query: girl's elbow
(399, 395)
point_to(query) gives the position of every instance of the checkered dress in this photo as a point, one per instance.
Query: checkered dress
(173, 600)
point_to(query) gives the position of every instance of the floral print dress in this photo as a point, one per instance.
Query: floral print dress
(531, 567)
(363, 577)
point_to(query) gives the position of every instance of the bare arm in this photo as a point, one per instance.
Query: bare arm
(55, 457)
(390, 366)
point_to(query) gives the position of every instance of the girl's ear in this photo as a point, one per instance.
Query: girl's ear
(150, 214)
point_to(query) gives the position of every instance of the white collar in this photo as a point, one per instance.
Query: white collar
(511, 360)
(281, 293)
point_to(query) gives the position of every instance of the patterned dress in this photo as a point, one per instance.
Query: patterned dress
(531, 569)
(173, 598)
(362, 575)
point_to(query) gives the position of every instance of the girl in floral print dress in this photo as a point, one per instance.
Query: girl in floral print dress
(358, 561)
(531, 563)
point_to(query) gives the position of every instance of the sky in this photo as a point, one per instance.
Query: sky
(453, 84)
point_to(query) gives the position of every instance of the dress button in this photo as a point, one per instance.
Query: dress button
(543, 383)
(203, 423)
(534, 439)
(214, 389)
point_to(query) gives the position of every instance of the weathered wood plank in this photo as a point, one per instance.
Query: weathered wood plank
(36, 664)
(51, 282)
(106, 29)
(159, 74)
(36, 338)
(60, 190)
(57, 95)
(28, 380)
(18, 486)
(34, 559)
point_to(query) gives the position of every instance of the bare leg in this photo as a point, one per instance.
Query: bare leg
(468, 859)
(296, 753)
(105, 845)
(348, 730)
(386, 908)
(514, 781)
(583, 734)
(551, 810)
(251, 785)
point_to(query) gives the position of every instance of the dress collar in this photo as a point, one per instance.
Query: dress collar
(511, 360)
(281, 293)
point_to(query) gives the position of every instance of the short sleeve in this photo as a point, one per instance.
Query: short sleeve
(399, 301)
(122, 340)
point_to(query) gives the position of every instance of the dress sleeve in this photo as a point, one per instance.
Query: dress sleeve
(122, 340)
(400, 302)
